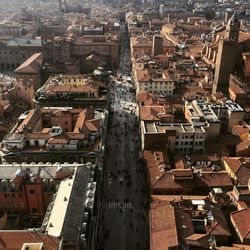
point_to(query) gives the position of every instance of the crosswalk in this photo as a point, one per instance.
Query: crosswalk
(120, 205)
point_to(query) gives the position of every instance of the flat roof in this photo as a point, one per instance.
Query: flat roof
(198, 202)
(70, 204)
(158, 127)
(55, 223)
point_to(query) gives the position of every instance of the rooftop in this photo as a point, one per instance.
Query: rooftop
(71, 201)
(240, 166)
(25, 42)
(16, 240)
(241, 220)
(32, 65)
(163, 232)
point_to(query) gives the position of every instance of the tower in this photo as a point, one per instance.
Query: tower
(233, 28)
(157, 47)
(226, 55)
(62, 4)
(161, 12)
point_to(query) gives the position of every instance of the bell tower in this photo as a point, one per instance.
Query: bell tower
(232, 28)
(227, 51)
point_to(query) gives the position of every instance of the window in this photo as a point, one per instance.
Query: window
(66, 123)
(5, 195)
(34, 210)
(32, 191)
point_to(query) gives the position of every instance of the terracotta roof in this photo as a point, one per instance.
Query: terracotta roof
(143, 96)
(243, 36)
(178, 161)
(154, 160)
(240, 129)
(212, 179)
(216, 226)
(150, 113)
(204, 157)
(93, 125)
(150, 99)
(30, 121)
(142, 75)
(163, 233)
(14, 240)
(243, 148)
(182, 173)
(236, 88)
(32, 65)
(176, 198)
(240, 166)
(167, 182)
(241, 220)
(61, 139)
(80, 121)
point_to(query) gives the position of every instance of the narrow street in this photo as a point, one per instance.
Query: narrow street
(124, 199)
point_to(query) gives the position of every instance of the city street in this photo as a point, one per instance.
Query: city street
(124, 199)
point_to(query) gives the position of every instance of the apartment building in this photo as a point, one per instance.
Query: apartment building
(56, 134)
(216, 116)
(187, 222)
(28, 188)
(15, 51)
(154, 81)
(181, 138)
(77, 203)
(45, 191)
(72, 90)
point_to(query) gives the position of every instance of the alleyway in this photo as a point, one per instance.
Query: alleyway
(124, 207)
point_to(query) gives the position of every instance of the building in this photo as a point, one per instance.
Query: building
(188, 222)
(153, 81)
(217, 116)
(157, 113)
(77, 203)
(56, 134)
(26, 239)
(80, 54)
(28, 79)
(72, 90)
(176, 137)
(243, 146)
(73, 192)
(240, 222)
(239, 91)
(224, 53)
(163, 231)
(241, 196)
(26, 189)
(15, 51)
(157, 48)
(145, 45)
(238, 169)
(29, 71)
(11, 29)
(165, 181)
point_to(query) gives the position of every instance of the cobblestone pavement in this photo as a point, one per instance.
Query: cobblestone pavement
(124, 206)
